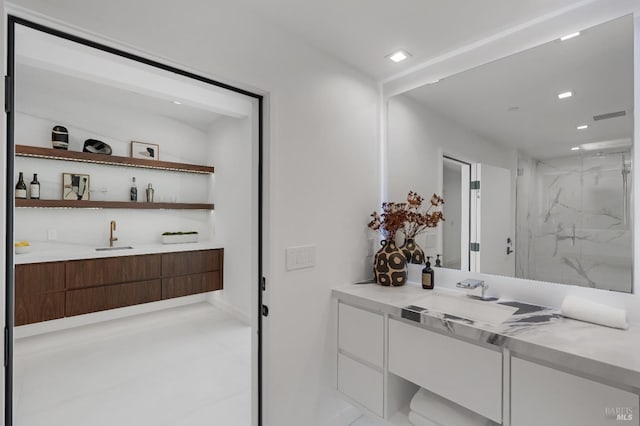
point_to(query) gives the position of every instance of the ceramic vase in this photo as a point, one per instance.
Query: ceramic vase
(412, 252)
(390, 265)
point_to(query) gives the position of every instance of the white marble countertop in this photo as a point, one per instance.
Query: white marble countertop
(609, 354)
(55, 252)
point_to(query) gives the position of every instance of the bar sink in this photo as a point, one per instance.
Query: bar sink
(467, 308)
(114, 248)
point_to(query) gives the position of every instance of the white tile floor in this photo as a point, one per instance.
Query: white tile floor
(187, 366)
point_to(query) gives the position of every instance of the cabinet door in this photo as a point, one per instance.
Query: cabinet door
(191, 262)
(83, 301)
(465, 373)
(39, 292)
(112, 270)
(545, 396)
(191, 284)
(361, 334)
(361, 383)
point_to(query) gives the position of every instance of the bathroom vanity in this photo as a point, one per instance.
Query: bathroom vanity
(532, 368)
(86, 282)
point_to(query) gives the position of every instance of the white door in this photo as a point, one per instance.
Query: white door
(494, 222)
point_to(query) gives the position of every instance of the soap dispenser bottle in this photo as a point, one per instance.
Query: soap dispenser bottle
(438, 261)
(427, 275)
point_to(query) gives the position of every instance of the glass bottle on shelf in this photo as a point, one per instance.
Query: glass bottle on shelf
(134, 190)
(34, 188)
(21, 188)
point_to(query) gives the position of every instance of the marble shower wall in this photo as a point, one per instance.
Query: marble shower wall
(571, 226)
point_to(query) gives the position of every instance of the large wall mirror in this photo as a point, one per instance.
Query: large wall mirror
(548, 137)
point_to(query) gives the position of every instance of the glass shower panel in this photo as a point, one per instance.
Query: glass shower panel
(606, 232)
(572, 226)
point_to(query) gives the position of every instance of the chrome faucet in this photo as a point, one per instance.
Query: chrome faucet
(112, 227)
(474, 288)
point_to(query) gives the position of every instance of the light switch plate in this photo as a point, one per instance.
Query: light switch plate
(301, 257)
(52, 234)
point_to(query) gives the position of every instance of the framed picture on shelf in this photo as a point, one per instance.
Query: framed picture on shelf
(75, 186)
(147, 151)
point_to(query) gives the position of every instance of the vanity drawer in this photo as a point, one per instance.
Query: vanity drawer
(462, 372)
(361, 334)
(361, 383)
(191, 262)
(190, 284)
(96, 299)
(542, 395)
(112, 270)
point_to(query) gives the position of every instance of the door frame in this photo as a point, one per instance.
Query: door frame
(467, 242)
(12, 21)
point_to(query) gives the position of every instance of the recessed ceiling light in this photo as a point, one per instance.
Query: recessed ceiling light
(564, 95)
(582, 127)
(569, 36)
(399, 56)
(575, 148)
(177, 102)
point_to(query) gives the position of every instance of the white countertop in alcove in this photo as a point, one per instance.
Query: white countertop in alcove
(56, 252)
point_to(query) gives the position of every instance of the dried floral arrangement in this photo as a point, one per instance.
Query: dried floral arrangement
(409, 217)
(418, 219)
(390, 221)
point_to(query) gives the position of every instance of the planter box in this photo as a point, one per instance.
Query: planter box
(178, 239)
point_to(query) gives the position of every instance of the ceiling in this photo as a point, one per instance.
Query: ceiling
(357, 32)
(362, 32)
(513, 101)
(33, 83)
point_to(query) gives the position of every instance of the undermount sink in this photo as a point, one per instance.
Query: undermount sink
(465, 307)
(114, 248)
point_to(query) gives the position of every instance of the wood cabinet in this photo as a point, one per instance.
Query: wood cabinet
(39, 292)
(106, 297)
(190, 284)
(191, 272)
(45, 291)
(112, 270)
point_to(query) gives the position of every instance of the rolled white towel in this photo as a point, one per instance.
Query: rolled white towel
(443, 412)
(586, 310)
(417, 420)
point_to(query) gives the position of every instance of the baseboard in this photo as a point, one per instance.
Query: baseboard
(216, 300)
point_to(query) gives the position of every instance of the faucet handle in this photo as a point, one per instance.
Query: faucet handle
(470, 283)
(474, 288)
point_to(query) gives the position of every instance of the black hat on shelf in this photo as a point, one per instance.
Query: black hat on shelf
(96, 147)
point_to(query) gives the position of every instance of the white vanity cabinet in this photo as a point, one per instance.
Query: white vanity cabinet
(382, 360)
(545, 396)
(361, 356)
(465, 373)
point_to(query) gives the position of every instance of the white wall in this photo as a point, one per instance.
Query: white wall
(232, 151)
(321, 161)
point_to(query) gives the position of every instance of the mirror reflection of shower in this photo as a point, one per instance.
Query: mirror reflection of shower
(573, 219)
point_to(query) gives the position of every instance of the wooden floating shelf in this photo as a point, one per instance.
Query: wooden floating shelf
(87, 204)
(112, 160)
